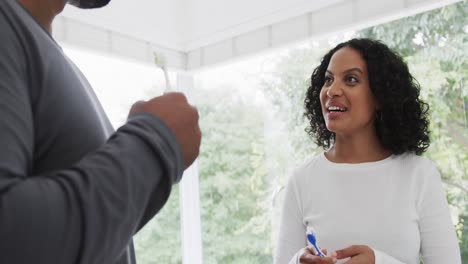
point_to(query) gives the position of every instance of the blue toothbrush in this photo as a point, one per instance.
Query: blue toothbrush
(313, 241)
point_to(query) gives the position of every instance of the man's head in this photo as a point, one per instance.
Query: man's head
(88, 3)
(44, 11)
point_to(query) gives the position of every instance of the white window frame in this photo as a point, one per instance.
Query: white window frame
(189, 194)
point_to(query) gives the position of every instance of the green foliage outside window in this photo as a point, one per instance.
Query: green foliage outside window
(233, 180)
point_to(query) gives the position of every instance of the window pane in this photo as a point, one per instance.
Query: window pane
(234, 190)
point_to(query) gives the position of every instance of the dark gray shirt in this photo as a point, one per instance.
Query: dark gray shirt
(71, 190)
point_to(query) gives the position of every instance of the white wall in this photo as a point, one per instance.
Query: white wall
(214, 20)
(197, 33)
(158, 21)
(338, 17)
(184, 25)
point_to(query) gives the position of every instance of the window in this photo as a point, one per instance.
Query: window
(253, 131)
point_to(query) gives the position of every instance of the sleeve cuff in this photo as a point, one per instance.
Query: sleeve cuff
(378, 256)
(155, 124)
(382, 258)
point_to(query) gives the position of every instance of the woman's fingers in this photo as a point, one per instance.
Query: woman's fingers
(309, 257)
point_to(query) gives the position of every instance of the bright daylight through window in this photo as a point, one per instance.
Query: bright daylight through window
(251, 115)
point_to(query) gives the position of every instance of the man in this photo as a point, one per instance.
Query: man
(71, 189)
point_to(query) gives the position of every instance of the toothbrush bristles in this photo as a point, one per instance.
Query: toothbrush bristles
(159, 60)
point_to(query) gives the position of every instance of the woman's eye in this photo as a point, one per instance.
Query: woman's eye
(352, 80)
(328, 80)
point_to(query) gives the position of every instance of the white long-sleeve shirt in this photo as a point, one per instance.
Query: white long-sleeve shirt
(396, 206)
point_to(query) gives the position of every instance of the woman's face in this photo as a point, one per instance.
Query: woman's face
(348, 105)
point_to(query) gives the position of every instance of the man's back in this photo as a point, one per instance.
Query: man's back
(64, 191)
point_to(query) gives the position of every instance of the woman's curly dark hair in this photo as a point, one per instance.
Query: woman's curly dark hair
(402, 120)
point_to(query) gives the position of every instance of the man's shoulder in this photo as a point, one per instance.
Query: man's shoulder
(10, 11)
(17, 22)
(13, 25)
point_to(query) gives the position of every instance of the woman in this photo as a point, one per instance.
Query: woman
(370, 197)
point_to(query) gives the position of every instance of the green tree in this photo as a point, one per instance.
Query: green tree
(160, 240)
(233, 186)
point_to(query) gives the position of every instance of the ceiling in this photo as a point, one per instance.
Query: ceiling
(196, 33)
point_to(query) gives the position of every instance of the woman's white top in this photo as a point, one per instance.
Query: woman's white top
(396, 206)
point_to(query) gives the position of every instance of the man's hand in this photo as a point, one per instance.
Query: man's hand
(359, 254)
(180, 117)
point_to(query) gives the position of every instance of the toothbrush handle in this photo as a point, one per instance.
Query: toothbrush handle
(319, 252)
(168, 84)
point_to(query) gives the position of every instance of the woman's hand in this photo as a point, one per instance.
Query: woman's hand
(359, 254)
(308, 257)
